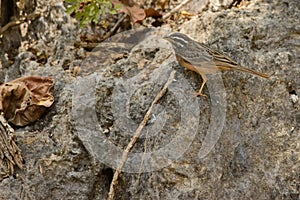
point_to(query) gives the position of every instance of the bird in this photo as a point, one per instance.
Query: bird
(203, 60)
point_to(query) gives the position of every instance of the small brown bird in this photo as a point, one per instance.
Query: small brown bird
(203, 60)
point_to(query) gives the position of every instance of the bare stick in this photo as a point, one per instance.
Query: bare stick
(117, 25)
(143, 157)
(137, 135)
(30, 17)
(10, 24)
(176, 8)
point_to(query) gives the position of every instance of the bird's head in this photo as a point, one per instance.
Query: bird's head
(178, 40)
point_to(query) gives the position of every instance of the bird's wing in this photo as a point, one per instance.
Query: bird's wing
(221, 60)
(197, 55)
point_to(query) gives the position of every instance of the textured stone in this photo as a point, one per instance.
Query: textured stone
(68, 152)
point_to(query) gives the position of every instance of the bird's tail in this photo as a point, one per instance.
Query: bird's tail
(251, 71)
(237, 67)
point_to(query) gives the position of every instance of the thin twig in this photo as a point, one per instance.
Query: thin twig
(117, 25)
(91, 45)
(9, 25)
(176, 9)
(142, 161)
(29, 17)
(137, 135)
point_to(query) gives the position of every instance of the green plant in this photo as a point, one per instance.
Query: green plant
(87, 11)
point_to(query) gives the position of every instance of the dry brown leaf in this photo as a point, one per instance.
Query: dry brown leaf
(134, 11)
(141, 63)
(185, 14)
(136, 14)
(25, 99)
(151, 12)
(163, 4)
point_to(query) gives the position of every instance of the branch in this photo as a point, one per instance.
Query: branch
(176, 9)
(137, 135)
(30, 17)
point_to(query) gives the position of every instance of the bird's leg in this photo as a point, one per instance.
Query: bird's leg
(202, 86)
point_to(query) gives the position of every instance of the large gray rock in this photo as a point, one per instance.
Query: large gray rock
(71, 153)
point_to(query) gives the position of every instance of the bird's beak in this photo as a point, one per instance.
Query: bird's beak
(167, 38)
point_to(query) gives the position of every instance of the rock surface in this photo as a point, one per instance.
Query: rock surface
(71, 153)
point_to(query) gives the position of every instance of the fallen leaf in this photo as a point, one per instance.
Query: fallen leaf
(134, 11)
(163, 4)
(185, 14)
(76, 71)
(141, 63)
(136, 14)
(151, 12)
(25, 99)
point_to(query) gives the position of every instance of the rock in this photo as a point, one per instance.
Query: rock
(74, 149)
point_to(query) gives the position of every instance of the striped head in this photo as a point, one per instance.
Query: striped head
(179, 41)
